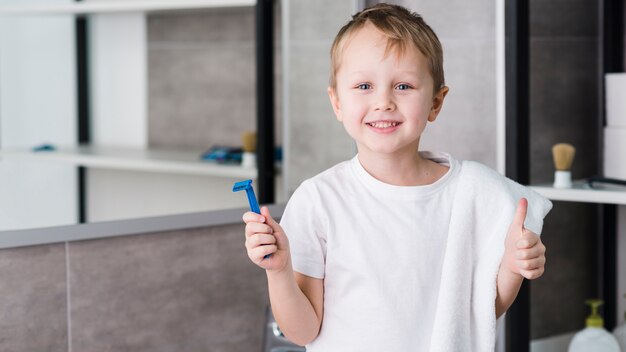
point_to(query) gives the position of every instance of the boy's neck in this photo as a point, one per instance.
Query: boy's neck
(402, 170)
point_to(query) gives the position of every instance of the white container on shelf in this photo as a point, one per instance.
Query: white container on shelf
(593, 339)
(615, 152)
(615, 99)
(594, 336)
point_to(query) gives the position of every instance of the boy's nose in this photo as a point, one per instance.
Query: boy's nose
(384, 102)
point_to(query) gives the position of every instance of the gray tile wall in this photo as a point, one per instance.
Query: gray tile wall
(563, 108)
(563, 95)
(315, 139)
(34, 299)
(201, 77)
(191, 290)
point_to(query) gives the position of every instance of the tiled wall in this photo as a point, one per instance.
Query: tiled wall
(34, 299)
(191, 290)
(201, 77)
(316, 140)
(564, 108)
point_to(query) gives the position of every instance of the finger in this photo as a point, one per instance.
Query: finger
(257, 254)
(255, 227)
(520, 213)
(527, 240)
(265, 211)
(253, 217)
(259, 240)
(530, 253)
(270, 221)
(532, 274)
(281, 237)
(531, 264)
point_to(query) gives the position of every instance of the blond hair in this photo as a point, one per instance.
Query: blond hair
(403, 29)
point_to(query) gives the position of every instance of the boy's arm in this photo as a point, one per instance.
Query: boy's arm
(297, 304)
(524, 257)
(508, 285)
(296, 299)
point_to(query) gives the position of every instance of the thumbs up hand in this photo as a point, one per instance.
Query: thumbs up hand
(524, 253)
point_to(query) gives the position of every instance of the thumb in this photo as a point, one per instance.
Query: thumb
(520, 213)
(277, 230)
(269, 220)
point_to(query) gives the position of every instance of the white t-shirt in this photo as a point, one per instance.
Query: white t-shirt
(379, 249)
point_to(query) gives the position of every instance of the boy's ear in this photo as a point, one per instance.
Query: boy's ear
(334, 101)
(438, 103)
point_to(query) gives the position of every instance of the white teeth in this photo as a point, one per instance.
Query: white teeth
(383, 124)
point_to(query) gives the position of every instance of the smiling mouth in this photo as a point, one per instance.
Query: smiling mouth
(383, 124)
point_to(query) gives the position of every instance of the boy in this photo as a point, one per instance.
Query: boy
(396, 250)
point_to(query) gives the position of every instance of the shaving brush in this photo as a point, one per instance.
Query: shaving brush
(563, 154)
(248, 141)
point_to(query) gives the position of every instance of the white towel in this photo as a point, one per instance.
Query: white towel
(483, 209)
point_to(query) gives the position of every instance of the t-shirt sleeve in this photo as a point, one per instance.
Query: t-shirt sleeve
(303, 222)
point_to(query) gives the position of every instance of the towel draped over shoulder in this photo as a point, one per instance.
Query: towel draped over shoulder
(483, 209)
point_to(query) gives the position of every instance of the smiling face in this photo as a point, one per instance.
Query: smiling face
(384, 99)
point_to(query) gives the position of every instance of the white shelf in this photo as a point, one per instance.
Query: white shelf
(119, 6)
(557, 343)
(149, 160)
(580, 192)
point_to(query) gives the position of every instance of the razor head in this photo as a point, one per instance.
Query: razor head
(242, 185)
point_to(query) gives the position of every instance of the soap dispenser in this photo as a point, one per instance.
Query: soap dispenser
(594, 337)
(620, 334)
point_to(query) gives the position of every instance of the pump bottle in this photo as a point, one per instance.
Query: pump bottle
(594, 337)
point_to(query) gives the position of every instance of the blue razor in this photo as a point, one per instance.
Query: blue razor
(254, 205)
(247, 185)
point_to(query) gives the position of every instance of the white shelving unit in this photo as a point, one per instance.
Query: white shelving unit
(581, 192)
(133, 159)
(601, 194)
(124, 176)
(100, 7)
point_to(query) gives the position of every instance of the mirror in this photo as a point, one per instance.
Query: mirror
(161, 87)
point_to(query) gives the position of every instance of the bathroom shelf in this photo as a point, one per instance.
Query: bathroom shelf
(97, 7)
(580, 192)
(133, 159)
(556, 343)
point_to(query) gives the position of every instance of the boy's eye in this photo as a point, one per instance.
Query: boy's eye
(364, 86)
(403, 86)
